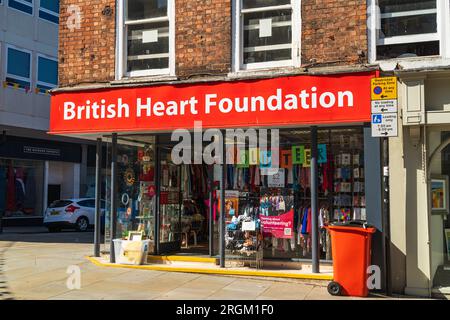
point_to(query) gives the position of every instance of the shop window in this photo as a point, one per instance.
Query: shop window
(22, 5)
(147, 36)
(49, 10)
(21, 188)
(18, 68)
(47, 74)
(267, 33)
(286, 197)
(405, 29)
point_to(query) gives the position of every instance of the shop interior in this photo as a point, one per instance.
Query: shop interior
(254, 202)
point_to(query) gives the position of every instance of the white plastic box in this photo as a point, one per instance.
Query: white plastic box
(131, 252)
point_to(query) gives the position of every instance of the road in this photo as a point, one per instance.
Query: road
(34, 264)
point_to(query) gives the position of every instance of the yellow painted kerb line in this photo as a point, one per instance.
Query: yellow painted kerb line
(182, 258)
(215, 271)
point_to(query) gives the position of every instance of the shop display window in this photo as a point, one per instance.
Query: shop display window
(21, 183)
(268, 217)
(278, 207)
(136, 187)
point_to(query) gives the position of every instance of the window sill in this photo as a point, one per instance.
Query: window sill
(275, 71)
(407, 64)
(411, 64)
(146, 79)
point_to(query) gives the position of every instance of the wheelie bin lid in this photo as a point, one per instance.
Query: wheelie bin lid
(352, 224)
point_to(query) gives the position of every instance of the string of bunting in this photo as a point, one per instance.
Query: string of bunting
(16, 86)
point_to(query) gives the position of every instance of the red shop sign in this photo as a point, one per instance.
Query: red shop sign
(285, 101)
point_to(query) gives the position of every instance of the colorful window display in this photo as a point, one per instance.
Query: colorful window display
(268, 216)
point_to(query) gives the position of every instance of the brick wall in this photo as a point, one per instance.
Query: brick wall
(333, 31)
(87, 55)
(203, 37)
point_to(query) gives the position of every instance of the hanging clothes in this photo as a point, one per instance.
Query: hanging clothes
(305, 221)
(11, 193)
(3, 188)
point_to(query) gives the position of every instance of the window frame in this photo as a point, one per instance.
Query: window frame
(20, 78)
(122, 38)
(46, 84)
(442, 34)
(25, 3)
(238, 37)
(52, 13)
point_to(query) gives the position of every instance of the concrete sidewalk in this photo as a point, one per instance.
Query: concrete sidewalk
(36, 269)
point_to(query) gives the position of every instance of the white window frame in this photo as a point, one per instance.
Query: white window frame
(9, 75)
(31, 5)
(121, 43)
(51, 85)
(442, 35)
(48, 12)
(238, 37)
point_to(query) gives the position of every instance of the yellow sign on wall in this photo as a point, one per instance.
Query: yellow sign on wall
(384, 88)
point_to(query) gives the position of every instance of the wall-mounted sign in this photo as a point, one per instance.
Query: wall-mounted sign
(42, 151)
(283, 101)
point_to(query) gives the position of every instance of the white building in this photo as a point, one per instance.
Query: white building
(411, 40)
(35, 168)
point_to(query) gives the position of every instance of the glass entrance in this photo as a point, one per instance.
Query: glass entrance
(169, 204)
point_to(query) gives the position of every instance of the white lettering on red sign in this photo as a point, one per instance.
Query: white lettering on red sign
(149, 108)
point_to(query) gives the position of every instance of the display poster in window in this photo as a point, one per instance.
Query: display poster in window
(447, 241)
(322, 153)
(231, 203)
(439, 194)
(278, 226)
(276, 180)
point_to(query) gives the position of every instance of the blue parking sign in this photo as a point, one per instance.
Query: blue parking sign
(377, 118)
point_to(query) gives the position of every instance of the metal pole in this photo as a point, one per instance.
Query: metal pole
(113, 195)
(157, 195)
(98, 194)
(385, 220)
(314, 206)
(211, 211)
(222, 205)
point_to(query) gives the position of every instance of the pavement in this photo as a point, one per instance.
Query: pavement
(34, 265)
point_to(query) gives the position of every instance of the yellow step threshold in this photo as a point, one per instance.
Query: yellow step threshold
(218, 271)
(180, 258)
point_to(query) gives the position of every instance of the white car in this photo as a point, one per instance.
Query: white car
(76, 214)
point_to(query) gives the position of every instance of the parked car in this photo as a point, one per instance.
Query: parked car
(76, 214)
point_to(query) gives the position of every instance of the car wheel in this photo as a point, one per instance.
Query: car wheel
(53, 229)
(82, 224)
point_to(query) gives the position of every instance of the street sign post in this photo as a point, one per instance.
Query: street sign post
(385, 124)
(384, 107)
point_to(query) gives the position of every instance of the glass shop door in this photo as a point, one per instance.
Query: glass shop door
(169, 204)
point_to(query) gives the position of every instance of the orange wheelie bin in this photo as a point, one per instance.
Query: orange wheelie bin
(351, 250)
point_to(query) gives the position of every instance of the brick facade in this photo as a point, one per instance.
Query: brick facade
(87, 55)
(203, 37)
(334, 31)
